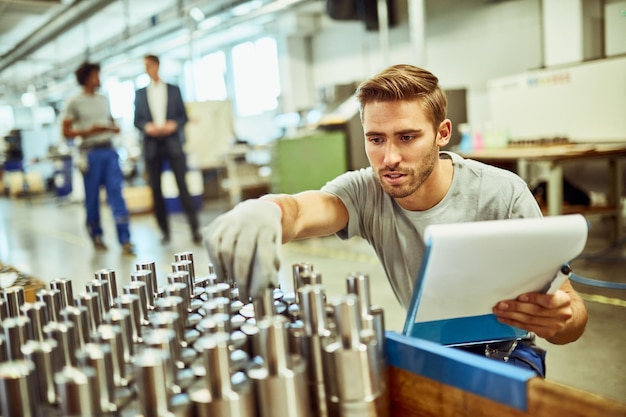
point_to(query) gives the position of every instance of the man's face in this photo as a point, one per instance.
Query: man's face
(152, 68)
(401, 145)
(93, 80)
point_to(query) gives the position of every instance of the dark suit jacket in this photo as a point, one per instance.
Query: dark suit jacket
(175, 111)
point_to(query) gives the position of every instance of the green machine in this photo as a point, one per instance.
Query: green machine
(308, 162)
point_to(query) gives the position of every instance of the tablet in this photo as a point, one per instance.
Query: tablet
(469, 267)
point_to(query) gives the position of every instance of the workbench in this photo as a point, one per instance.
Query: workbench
(551, 159)
(430, 380)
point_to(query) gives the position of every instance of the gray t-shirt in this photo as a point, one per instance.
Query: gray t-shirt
(87, 110)
(478, 192)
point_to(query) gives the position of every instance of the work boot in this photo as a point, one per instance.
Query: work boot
(98, 244)
(128, 249)
(197, 238)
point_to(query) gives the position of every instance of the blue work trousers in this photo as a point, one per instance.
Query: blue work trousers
(104, 170)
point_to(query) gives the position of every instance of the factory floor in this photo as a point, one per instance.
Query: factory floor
(45, 237)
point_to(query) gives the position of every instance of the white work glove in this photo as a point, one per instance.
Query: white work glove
(244, 246)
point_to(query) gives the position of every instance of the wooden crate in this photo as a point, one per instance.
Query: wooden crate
(138, 199)
(30, 284)
(430, 380)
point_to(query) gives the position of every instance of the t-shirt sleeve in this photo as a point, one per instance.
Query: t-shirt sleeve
(525, 205)
(350, 188)
(70, 111)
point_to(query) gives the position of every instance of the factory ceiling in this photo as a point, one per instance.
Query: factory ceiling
(43, 41)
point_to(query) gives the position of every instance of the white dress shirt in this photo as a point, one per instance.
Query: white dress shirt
(157, 101)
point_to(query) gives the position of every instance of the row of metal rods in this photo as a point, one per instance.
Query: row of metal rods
(192, 348)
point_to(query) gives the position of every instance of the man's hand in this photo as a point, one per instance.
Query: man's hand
(244, 245)
(151, 129)
(169, 127)
(97, 129)
(165, 129)
(545, 315)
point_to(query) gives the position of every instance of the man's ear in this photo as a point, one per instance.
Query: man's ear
(444, 133)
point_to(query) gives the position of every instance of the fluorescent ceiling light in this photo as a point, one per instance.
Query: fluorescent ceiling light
(210, 23)
(29, 99)
(196, 14)
(246, 8)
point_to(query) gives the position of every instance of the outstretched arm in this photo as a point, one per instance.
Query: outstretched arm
(244, 243)
(309, 214)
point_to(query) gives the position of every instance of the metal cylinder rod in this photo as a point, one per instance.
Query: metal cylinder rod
(121, 317)
(220, 289)
(313, 310)
(17, 384)
(145, 276)
(151, 378)
(310, 278)
(78, 315)
(130, 302)
(3, 349)
(165, 339)
(187, 266)
(77, 389)
(14, 297)
(215, 323)
(187, 256)
(64, 285)
(215, 357)
(109, 276)
(43, 354)
(52, 301)
(111, 335)
(216, 306)
(169, 320)
(37, 316)
(101, 287)
(98, 357)
(91, 300)
(281, 383)
(296, 270)
(274, 333)
(64, 333)
(316, 333)
(153, 285)
(3, 309)
(15, 330)
(348, 321)
(358, 284)
(264, 305)
(174, 304)
(136, 289)
(180, 289)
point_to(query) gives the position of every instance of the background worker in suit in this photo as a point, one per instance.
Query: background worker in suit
(160, 114)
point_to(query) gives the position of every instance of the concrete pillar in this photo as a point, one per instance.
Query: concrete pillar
(572, 31)
(293, 34)
(417, 30)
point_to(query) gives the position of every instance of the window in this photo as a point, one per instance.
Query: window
(208, 76)
(122, 99)
(255, 75)
(7, 120)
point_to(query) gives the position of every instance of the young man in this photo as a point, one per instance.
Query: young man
(409, 185)
(88, 116)
(161, 116)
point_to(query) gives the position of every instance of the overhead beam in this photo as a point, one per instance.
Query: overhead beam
(61, 22)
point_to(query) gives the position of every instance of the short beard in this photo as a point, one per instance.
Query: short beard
(419, 177)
